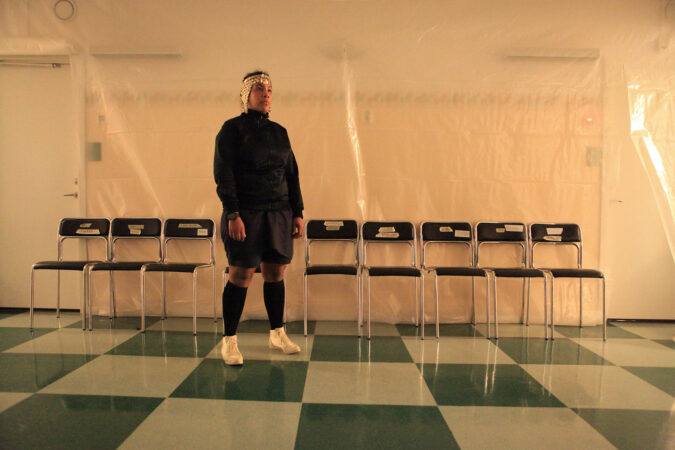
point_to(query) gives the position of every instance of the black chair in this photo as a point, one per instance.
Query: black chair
(391, 233)
(78, 228)
(340, 230)
(453, 233)
(566, 234)
(183, 229)
(124, 229)
(509, 233)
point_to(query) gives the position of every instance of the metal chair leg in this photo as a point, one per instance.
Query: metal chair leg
(494, 302)
(417, 303)
(304, 302)
(473, 300)
(487, 303)
(88, 273)
(527, 312)
(552, 302)
(581, 303)
(604, 312)
(545, 306)
(163, 296)
(359, 303)
(215, 297)
(438, 325)
(143, 300)
(32, 296)
(113, 306)
(58, 294)
(368, 290)
(421, 305)
(194, 302)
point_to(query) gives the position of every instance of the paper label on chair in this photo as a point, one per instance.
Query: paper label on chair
(513, 227)
(500, 230)
(553, 238)
(135, 231)
(445, 229)
(333, 224)
(189, 225)
(387, 230)
(87, 231)
(86, 225)
(557, 230)
(387, 234)
(463, 233)
(202, 232)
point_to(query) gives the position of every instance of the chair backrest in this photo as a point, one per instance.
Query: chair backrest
(324, 230)
(390, 232)
(502, 233)
(555, 234)
(447, 233)
(84, 228)
(135, 228)
(190, 229)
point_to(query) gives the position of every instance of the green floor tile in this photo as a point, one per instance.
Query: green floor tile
(485, 385)
(253, 326)
(351, 348)
(21, 372)
(632, 428)
(168, 343)
(446, 329)
(73, 421)
(299, 327)
(277, 381)
(613, 332)
(11, 336)
(372, 427)
(542, 351)
(661, 377)
(668, 343)
(118, 323)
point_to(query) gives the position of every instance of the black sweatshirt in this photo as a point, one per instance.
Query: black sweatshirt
(254, 166)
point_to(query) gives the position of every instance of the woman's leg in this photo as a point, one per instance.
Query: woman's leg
(234, 297)
(274, 293)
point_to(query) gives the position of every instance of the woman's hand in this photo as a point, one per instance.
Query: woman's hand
(236, 229)
(298, 227)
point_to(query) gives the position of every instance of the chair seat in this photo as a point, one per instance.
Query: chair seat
(174, 267)
(518, 272)
(120, 265)
(394, 272)
(331, 270)
(576, 273)
(62, 265)
(460, 271)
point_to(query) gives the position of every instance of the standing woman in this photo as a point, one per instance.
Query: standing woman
(257, 182)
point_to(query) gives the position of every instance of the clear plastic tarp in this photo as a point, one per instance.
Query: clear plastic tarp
(396, 110)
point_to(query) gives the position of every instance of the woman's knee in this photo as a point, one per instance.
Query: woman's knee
(273, 272)
(241, 276)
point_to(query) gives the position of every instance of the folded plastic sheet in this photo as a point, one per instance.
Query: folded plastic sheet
(422, 114)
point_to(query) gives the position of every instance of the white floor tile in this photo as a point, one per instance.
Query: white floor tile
(218, 424)
(9, 399)
(455, 350)
(599, 387)
(631, 352)
(366, 383)
(75, 341)
(41, 319)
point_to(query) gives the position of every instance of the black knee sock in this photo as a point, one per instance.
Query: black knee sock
(274, 295)
(233, 304)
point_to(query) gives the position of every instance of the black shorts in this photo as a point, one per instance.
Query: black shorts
(268, 238)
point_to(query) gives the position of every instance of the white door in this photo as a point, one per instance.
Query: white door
(39, 162)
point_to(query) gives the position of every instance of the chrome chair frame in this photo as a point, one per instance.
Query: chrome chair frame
(524, 271)
(575, 239)
(166, 266)
(83, 225)
(389, 229)
(454, 271)
(333, 269)
(114, 265)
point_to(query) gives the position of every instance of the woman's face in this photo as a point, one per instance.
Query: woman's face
(260, 98)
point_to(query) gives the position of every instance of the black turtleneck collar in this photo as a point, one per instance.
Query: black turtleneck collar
(257, 115)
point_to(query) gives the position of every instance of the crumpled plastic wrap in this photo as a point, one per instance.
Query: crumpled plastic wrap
(396, 110)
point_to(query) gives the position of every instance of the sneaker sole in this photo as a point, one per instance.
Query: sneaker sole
(274, 347)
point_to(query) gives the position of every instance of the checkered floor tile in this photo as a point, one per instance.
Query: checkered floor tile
(114, 387)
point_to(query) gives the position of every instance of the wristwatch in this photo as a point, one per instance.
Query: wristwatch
(232, 215)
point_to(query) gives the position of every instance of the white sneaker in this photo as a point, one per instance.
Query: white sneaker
(230, 351)
(280, 341)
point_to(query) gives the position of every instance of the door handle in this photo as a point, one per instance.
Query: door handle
(74, 194)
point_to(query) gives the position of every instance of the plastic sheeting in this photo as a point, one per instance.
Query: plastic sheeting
(396, 110)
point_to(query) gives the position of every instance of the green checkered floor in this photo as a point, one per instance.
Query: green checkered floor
(62, 387)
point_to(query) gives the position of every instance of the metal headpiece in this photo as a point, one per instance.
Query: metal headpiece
(248, 84)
